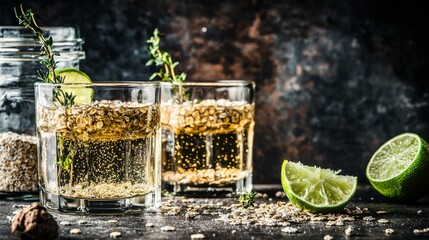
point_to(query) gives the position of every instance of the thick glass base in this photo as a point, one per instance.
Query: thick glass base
(205, 190)
(133, 205)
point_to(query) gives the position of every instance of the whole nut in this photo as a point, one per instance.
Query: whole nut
(34, 222)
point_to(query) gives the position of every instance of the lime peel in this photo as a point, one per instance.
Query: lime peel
(83, 94)
(315, 189)
(399, 167)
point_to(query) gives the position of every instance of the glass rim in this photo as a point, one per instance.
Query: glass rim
(102, 84)
(28, 38)
(213, 83)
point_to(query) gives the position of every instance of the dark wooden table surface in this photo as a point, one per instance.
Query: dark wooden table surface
(403, 218)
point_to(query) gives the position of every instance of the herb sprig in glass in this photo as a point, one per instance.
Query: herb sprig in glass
(167, 71)
(47, 53)
(28, 20)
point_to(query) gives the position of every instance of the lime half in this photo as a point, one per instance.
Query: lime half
(399, 168)
(83, 95)
(315, 189)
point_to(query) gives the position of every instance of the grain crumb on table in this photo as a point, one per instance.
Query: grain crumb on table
(421, 231)
(350, 231)
(368, 219)
(328, 237)
(82, 221)
(389, 231)
(290, 230)
(168, 229)
(65, 223)
(381, 212)
(198, 236)
(75, 231)
(383, 220)
(115, 234)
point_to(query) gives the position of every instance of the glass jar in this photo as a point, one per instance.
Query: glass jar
(19, 62)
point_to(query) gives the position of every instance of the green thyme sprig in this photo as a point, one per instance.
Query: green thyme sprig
(47, 53)
(28, 20)
(247, 200)
(160, 58)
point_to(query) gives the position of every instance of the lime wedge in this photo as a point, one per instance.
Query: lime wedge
(83, 95)
(399, 168)
(315, 189)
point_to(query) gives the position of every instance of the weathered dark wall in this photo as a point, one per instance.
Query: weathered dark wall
(335, 79)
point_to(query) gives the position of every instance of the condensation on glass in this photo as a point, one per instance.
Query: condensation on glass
(19, 63)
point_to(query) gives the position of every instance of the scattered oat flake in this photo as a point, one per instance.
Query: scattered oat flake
(338, 222)
(233, 231)
(368, 218)
(20, 205)
(328, 237)
(197, 236)
(350, 231)
(16, 211)
(383, 220)
(168, 229)
(290, 230)
(150, 225)
(280, 214)
(419, 211)
(381, 212)
(82, 221)
(75, 231)
(112, 221)
(420, 231)
(280, 194)
(389, 231)
(115, 234)
(65, 223)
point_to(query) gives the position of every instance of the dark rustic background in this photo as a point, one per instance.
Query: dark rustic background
(335, 78)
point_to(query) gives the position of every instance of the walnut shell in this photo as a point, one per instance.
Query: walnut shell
(34, 222)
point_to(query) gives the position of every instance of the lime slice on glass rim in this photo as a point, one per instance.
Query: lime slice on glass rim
(399, 168)
(315, 189)
(83, 95)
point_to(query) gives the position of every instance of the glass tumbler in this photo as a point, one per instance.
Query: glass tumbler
(102, 154)
(207, 137)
